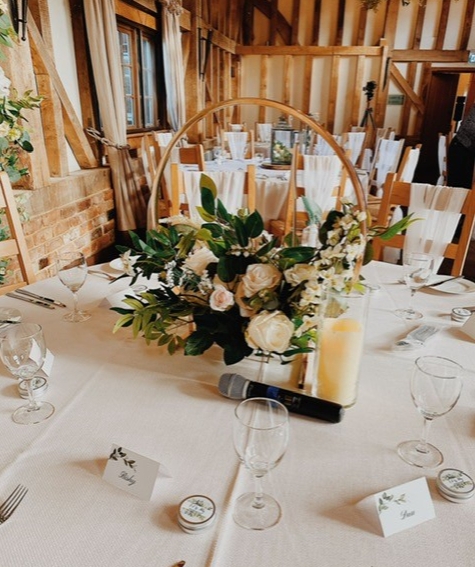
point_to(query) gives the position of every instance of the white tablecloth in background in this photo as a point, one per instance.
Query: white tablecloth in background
(113, 389)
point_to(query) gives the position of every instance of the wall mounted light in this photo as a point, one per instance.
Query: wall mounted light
(18, 16)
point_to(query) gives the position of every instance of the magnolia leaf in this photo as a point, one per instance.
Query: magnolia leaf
(214, 230)
(205, 215)
(225, 270)
(299, 254)
(241, 231)
(207, 183)
(198, 342)
(222, 212)
(263, 250)
(368, 253)
(254, 225)
(204, 233)
(208, 201)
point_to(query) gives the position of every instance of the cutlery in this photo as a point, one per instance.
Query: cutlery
(40, 297)
(103, 274)
(12, 503)
(8, 322)
(31, 300)
(445, 281)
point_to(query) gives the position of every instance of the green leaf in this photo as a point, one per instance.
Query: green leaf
(198, 342)
(226, 272)
(254, 225)
(207, 201)
(205, 215)
(207, 183)
(223, 214)
(241, 232)
(215, 230)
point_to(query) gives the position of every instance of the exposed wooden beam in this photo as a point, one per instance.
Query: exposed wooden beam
(430, 55)
(467, 24)
(442, 27)
(294, 39)
(313, 50)
(281, 25)
(73, 128)
(340, 22)
(406, 88)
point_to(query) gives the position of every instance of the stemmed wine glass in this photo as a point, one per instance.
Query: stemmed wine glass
(436, 384)
(418, 268)
(261, 432)
(23, 351)
(72, 272)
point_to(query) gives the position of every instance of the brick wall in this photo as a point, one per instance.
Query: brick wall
(73, 212)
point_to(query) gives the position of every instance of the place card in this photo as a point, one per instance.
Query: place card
(469, 326)
(132, 472)
(47, 367)
(399, 508)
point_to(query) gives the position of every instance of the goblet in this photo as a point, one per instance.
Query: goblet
(72, 272)
(23, 351)
(436, 384)
(418, 268)
(261, 433)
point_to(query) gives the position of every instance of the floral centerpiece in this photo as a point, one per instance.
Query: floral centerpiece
(228, 282)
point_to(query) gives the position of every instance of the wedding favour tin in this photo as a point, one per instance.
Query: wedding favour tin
(196, 513)
(460, 314)
(39, 387)
(455, 485)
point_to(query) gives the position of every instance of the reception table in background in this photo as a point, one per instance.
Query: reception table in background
(109, 388)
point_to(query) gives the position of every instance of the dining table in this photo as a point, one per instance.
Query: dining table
(111, 389)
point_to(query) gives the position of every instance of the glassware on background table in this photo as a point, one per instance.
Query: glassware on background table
(218, 155)
(436, 384)
(23, 351)
(261, 432)
(417, 269)
(72, 272)
(259, 158)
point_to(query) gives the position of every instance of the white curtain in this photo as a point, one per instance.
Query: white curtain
(173, 63)
(105, 55)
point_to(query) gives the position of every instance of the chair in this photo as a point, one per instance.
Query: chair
(193, 155)
(409, 160)
(354, 143)
(322, 181)
(163, 137)
(233, 187)
(263, 132)
(14, 247)
(386, 161)
(239, 144)
(150, 155)
(442, 148)
(439, 208)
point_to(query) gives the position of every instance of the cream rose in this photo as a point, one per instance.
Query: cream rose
(199, 260)
(258, 277)
(270, 331)
(300, 273)
(221, 299)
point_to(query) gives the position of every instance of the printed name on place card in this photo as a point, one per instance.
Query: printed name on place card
(132, 472)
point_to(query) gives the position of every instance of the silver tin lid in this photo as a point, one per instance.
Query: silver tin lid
(455, 485)
(196, 513)
(460, 314)
(39, 387)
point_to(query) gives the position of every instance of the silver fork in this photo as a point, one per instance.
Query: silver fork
(12, 503)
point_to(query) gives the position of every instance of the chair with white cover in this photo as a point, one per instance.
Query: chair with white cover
(239, 144)
(354, 143)
(442, 147)
(263, 132)
(163, 137)
(438, 209)
(386, 161)
(14, 247)
(236, 189)
(408, 164)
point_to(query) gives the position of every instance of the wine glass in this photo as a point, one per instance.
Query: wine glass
(72, 271)
(218, 155)
(23, 351)
(261, 432)
(418, 268)
(436, 384)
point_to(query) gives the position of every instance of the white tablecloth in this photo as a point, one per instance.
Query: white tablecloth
(113, 389)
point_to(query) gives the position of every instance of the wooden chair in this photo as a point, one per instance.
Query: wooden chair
(409, 160)
(227, 141)
(193, 154)
(179, 206)
(15, 246)
(399, 193)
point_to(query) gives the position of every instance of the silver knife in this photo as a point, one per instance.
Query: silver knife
(31, 300)
(40, 297)
(445, 281)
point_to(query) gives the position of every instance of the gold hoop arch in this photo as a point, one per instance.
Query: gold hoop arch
(285, 109)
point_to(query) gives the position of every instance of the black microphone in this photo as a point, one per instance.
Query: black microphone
(237, 387)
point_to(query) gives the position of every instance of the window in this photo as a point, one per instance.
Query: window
(138, 52)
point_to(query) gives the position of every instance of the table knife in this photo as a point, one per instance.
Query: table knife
(31, 300)
(445, 281)
(40, 297)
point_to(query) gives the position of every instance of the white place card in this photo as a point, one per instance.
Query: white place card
(399, 508)
(45, 370)
(132, 472)
(469, 326)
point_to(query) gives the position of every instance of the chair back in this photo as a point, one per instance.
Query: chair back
(236, 189)
(354, 143)
(239, 144)
(263, 132)
(408, 164)
(440, 210)
(163, 137)
(193, 154)
(442, 148)
(386, 160)
(14, 247)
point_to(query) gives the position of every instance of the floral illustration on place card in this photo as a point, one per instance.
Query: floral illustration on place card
(386, 500)
(118, 453)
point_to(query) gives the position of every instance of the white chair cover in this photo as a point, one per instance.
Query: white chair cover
(264, 132)
(230, 185)
(387, 160)
(407, 174)
(355, 145)
(323, 148)
(163, 138)
(440, 208)
(237, 144)
(321, 175)
(442, 160)
(367, 161)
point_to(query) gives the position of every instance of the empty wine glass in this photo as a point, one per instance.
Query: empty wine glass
(23, 351)
(261, 432)
(72, 271)
(218, 155)
(436, 384)
(417, 268)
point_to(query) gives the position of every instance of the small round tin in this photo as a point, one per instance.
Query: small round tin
(460, 314)
(196, 513)
(39, 387)
(455, 485)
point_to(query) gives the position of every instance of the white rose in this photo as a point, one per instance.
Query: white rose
(270, 331)
(4, 84)
(300, 273)
(199, 260)
(258, 277)
(221, 299)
